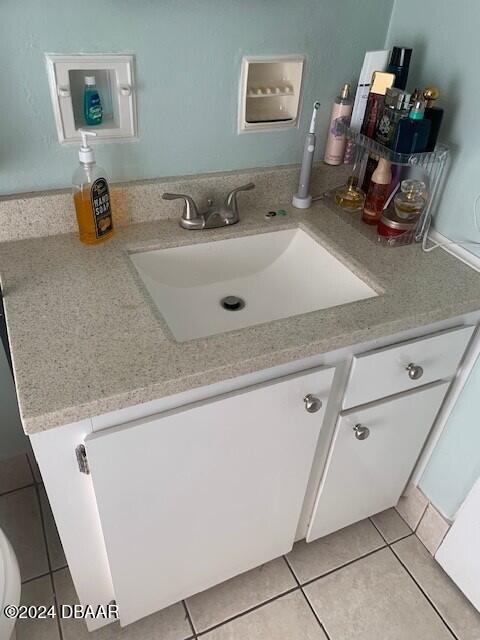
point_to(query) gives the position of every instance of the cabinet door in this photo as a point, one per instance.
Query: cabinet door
(365, 476)
(195, 496)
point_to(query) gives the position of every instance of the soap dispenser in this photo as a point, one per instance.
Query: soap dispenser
(91, 196)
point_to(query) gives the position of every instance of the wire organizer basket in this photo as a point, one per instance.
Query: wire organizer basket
(428, 167)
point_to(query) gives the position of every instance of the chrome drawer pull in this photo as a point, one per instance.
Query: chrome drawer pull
(312, 403)
(415, 371)
(361, 432)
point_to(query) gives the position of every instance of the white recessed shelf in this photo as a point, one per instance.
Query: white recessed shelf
(270, 92)
(115, 83)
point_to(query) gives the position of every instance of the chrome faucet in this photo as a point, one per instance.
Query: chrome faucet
(213, 216)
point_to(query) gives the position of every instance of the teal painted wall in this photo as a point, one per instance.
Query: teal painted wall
(188, 62)
(444, 35)
(455, 465)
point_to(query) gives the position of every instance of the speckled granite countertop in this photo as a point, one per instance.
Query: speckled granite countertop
(86, 339)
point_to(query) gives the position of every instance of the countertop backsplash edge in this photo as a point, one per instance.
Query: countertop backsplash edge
(47, 213)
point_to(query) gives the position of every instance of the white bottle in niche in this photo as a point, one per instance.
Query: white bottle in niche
(336, 140)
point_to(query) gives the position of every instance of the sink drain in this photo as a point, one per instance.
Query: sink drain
(232, 303)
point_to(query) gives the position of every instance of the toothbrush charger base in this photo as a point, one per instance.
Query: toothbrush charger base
(301, 202)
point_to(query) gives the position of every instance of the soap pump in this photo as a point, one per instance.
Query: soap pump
(302, 199)
(91, 196)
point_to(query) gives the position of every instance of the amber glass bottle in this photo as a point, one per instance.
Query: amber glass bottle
(378, 192)
(91, 197)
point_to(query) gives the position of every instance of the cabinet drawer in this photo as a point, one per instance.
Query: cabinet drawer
(365, 476)
(384, 372)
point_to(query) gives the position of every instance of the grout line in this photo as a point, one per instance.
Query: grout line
(423, 591)
(44, 531)
(346, 564)
(421, 518)
(42, 521)
(189, 618)
(65, 566)
(389, 544)
(32, 470)
(306, 598)
(322, 626)
(247, 611)
(380, 533)
(292, 571)
(41, 575)
(398, 513)
(10, 491)
(60, 632)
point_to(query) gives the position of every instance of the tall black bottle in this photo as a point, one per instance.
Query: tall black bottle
(434, 114)
(399, 65)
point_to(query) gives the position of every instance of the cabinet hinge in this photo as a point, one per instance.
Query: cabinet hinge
(82, 459)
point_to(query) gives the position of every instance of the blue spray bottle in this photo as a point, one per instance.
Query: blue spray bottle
(92, 105)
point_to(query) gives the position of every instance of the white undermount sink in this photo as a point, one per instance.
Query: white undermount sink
(276, 275)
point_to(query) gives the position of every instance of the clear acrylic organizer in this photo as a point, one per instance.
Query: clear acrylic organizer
(428, 167)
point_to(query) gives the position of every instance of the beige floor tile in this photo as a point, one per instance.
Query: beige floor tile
(21, 522)
(374, 599)
(391, 526)
(412, 505)
(287, 618)
(239, 594)
(432, 529)
(55, 549)
(325, 554)
(169, 624)
(15, 473)
(38, 592)
(455, 609)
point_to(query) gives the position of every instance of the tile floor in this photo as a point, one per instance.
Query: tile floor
(373, 580)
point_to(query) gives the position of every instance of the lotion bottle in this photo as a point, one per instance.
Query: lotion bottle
(91, 196)
(336, 140)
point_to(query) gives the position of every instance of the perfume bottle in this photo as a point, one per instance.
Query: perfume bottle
(399, 65)
(412, 133)
(376, 100)
(378, 192)
(434, 114)
(411, 200)
(349, 196)
(397, 104)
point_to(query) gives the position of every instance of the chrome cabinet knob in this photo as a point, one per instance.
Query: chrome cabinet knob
(312, 403)
(415, 371)
(361, 432)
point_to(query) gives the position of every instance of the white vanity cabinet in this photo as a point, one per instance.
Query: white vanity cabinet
(192, 489)
(197, 495)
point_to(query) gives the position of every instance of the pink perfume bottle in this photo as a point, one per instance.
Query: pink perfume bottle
(336, 140)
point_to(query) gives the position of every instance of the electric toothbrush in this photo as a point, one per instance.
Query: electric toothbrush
(302, 199)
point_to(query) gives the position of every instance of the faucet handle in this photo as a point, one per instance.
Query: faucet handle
(231, 199)
(190, 211)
